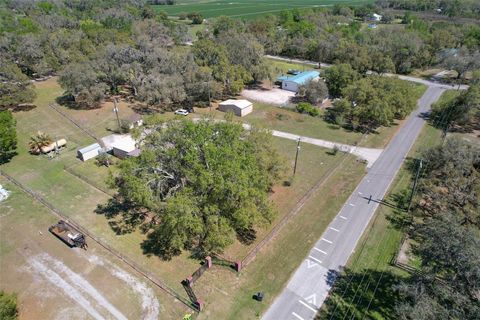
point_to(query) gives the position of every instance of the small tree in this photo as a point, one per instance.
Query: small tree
(8, 136)
(314, 91)
(8, 306)
(196, 17)
(38, 141)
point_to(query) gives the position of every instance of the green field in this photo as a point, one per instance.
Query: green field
(247, 8)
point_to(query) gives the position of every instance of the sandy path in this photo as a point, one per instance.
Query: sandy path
(73, 285)
(150, 305)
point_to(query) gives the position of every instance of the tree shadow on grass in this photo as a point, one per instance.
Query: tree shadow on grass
(247, 236)
(69, 102)
(361, 295)
(124, 217)
(159, 245)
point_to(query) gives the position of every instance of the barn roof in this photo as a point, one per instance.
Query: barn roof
(89, 148)
(302, 77)
(241, 103)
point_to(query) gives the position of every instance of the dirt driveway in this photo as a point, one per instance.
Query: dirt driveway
(271, 96)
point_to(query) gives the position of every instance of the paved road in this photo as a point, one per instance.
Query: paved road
(407, 78)
(311, 282)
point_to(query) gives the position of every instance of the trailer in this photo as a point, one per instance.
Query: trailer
(68, 234)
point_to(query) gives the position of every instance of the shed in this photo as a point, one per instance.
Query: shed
(294, 82)
(238, 107)
(89, 152)
(134, 121)
(124, 147)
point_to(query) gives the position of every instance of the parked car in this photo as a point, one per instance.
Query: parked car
(181, 112)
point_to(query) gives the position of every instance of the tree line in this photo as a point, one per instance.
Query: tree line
(336, 36)
(109, 47)
(451, 8)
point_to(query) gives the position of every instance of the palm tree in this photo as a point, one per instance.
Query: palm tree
(38, 141)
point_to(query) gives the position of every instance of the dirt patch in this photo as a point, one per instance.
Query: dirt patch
(73, 285)
(150, 305)
(271, 96)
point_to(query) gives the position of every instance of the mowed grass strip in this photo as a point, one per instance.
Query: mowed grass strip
(370, 265)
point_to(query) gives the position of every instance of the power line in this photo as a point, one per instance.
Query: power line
(441, 117)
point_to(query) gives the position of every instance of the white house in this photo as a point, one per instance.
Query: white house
(121, 145)
(89, 152)
(238, 107)
(293, 83)
(376, 17)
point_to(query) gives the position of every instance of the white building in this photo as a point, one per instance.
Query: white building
(376, 17)
(89, 152)
(293, 83)
(121, 145)
(238, 107)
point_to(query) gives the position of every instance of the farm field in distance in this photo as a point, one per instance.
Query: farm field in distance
(247, 8)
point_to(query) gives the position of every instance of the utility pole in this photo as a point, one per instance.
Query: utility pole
(209, 99)
(414, 188)
(115, 109)
(296, 156)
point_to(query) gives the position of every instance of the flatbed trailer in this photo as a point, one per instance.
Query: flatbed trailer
(68, 234)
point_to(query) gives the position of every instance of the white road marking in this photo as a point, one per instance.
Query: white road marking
(306, 305)
(351, 204)
(359, 192)
(344, 218)
(297, 316)
(311, 264)
(336, 230)
(312, 299)
(319, 250)
(313, 258)
(328, 241)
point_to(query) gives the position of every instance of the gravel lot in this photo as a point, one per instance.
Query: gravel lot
(271, 96)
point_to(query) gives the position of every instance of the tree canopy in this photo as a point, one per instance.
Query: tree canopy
(445, 227)
(462, 113)
(372, 102)
(207, 182)
(8, 136)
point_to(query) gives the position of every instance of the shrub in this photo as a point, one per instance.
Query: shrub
(305, 107)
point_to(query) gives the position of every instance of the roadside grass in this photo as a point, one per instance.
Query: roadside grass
(78, 200)
(371, 264)
(230, 297)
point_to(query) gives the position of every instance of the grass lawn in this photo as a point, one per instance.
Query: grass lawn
(24, 237)
(246, 8)
(371, 262)
(78, 200)
(281, 67)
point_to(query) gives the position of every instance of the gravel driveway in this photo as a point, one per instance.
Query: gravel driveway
(271, 96)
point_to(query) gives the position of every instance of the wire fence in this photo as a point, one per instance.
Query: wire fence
(153, 279)
(251, 255)
(89, 181)
(75, 123)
